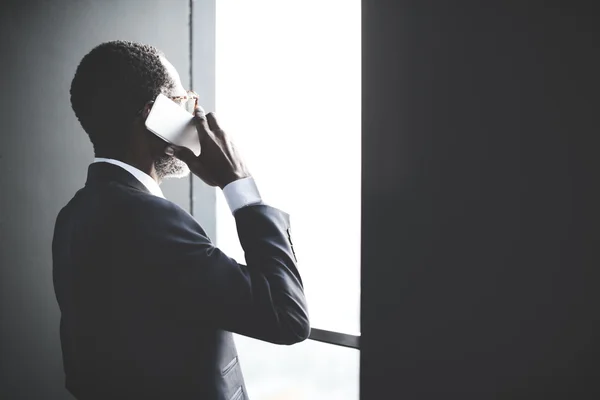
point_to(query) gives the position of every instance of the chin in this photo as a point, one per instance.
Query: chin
(182, 173)
(171, 167)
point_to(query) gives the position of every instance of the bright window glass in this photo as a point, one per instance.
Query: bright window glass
(306, 371)
(288, 91)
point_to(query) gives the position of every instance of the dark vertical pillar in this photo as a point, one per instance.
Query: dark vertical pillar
(479, 258)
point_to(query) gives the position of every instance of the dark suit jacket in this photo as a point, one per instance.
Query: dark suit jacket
(148, 302)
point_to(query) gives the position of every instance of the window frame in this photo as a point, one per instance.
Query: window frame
(202, 24)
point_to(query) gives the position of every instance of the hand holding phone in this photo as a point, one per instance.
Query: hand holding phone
(220, 162)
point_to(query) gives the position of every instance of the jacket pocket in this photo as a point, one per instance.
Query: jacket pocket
(230, 366)
(238, 395)
(289, 236)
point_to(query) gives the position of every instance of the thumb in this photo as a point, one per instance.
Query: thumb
(182, 153)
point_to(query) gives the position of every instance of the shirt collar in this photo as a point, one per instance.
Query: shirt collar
(144, 178)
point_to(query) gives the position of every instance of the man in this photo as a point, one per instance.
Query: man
(147, 301)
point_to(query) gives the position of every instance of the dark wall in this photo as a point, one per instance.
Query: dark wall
(479, 265)
(44, 155)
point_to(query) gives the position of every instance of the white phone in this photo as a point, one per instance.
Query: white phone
(173, 124)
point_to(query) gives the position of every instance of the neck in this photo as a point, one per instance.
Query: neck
(144, 164)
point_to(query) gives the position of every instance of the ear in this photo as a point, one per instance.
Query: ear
(146, 110)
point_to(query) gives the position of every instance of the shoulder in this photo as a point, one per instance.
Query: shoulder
(141, 206)
(123, 206)
(155, 226)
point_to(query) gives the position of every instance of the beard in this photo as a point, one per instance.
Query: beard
(170, 167)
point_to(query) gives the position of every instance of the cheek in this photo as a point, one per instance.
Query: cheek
(156, 144)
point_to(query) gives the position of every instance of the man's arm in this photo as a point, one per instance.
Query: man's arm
(198, 282)
(263, 299)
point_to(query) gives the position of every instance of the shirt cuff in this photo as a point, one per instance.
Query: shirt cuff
(241, 193)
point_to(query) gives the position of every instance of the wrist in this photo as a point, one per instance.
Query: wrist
(233, 178)
(241, 193)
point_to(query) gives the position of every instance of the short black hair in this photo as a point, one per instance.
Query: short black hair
(112, 83)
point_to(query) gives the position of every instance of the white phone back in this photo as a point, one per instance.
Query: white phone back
(173, 124)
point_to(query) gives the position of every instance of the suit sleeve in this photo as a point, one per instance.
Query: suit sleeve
(263, 299)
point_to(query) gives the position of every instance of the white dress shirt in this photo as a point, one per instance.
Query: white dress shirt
(240, 193)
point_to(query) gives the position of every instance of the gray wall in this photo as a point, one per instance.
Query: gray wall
(44, 155)
(204, 197)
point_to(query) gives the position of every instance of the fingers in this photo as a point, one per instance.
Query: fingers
(201, 124)
(199, 112)
(212, 122)
(206, 121)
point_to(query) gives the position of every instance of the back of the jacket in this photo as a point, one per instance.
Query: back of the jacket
(148, 302)
(119, 336)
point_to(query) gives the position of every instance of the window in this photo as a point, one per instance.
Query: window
(288, 91)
